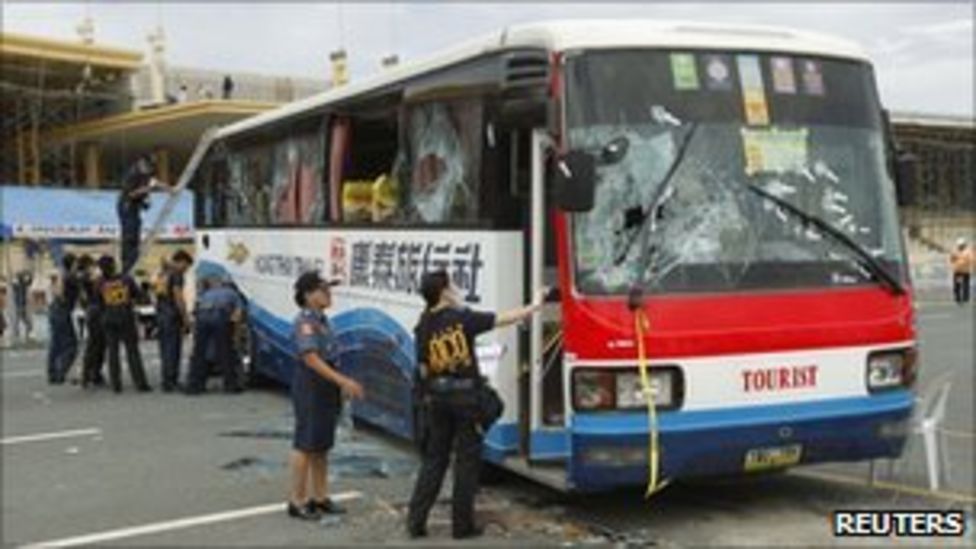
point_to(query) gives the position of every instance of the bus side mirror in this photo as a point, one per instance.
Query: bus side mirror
(575, 181)
(905, 170)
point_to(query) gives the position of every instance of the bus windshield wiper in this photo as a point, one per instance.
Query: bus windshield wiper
(866, 260)
(640, 216)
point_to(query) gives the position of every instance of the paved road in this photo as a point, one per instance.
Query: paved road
(145, 461)
(947, 355)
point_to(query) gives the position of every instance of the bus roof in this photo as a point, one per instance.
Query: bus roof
(576, 35)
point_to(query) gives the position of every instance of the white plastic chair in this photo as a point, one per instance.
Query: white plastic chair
(926, 421)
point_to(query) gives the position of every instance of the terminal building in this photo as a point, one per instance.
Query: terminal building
(945, 176)
(77, 113)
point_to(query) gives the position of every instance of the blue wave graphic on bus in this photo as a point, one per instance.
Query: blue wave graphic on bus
(374, 349)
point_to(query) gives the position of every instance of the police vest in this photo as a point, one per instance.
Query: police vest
(115, 293)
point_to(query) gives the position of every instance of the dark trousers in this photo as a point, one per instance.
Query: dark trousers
(130, 223)
(212, 328)
(452, 426)
(22, 316)
(63, 347)
(960, 287)
(94, 356)
(122, 330)
(170, 346)
(130, 252)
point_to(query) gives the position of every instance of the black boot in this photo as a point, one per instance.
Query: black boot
(302, 512)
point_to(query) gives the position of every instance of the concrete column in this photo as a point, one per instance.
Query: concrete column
(93, 164)
(162, 166)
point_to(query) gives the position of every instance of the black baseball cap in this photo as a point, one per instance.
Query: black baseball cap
(310, 281)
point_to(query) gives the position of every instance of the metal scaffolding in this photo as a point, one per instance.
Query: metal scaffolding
(47, 85)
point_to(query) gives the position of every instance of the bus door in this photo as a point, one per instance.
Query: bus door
(544, 424)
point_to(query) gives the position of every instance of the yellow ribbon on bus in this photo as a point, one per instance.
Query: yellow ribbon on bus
(641, 324)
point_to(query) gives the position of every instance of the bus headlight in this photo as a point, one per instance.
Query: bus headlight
(630, 391)
(890, 369)
(593, 389)
(620, 388)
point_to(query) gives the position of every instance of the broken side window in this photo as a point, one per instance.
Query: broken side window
(236, 199)
(249, 186)
(296, 191)
(442, 162)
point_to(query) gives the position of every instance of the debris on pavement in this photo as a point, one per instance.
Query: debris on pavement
(255, 463)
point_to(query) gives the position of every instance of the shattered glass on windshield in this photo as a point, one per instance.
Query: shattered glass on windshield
(701, 228)
(694, 220)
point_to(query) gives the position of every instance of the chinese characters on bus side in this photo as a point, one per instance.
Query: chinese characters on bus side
(397, 266)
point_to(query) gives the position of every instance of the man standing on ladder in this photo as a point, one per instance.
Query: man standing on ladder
(138, 183)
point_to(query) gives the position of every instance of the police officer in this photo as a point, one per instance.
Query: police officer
(22, 314)
(445, 337)
(316, 389)
(172, 318)
(116, 293)
(217, 308)
(63, 347)
(94, 355)
(138, 183)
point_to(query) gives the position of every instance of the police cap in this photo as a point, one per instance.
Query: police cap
(309, 281)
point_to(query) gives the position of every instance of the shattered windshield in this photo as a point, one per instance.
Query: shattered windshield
(673, 213)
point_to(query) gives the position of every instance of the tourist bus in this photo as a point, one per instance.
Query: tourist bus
(716, 206)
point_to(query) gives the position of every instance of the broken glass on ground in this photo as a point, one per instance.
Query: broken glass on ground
(329, 521)
(344, 463)
(253, 463)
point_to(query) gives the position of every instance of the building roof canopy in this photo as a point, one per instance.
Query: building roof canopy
(175, 127)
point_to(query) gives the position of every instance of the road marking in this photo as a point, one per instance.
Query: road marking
(935, 316)
(50, 436)
(893, 486)
(189, 522)
(14, 375)
(20, 366)
(957, 434)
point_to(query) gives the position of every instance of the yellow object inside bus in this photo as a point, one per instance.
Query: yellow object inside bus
(374, 201)
(386, 192)
(357, 200)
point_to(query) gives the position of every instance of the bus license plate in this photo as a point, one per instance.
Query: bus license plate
(759, 459)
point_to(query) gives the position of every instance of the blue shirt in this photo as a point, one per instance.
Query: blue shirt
(312, 333)
(221, 298)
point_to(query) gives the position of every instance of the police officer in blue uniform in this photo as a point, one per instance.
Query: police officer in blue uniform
(217, 308)
(63, 347)
(172, 319)
(445, 339)
(132, 200)
(316, 390)
(138, 183)
(116, 294)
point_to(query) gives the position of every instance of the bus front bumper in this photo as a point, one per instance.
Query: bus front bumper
(611, 449)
